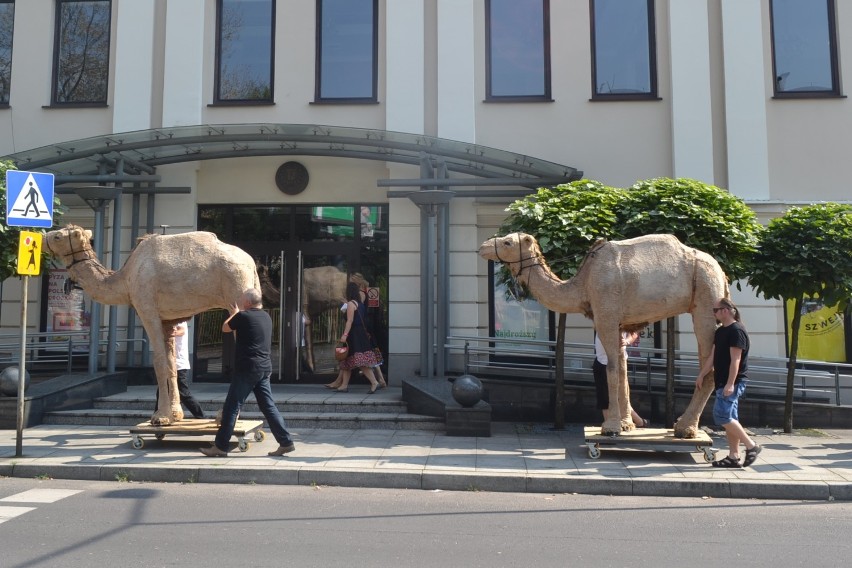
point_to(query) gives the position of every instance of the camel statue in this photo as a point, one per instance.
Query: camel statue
(323, 287)
(167, 278)
(622, 285)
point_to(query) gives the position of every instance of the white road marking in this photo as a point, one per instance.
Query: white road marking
(7, 513)
(40, 496)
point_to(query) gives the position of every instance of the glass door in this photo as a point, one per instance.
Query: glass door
(323, 274)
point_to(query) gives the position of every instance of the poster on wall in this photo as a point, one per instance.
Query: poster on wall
(822, 335)
(519, 320)
(66, 309)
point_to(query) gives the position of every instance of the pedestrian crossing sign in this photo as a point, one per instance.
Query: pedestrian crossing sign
(29, 253)
(29, 199)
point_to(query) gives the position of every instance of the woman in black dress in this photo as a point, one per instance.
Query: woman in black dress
(361, 352)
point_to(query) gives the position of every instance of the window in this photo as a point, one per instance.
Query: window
(623, 49)
(804, 48)
(244, 54)
(347, 50)
(517, 44)
(7, 28)
(81, 52)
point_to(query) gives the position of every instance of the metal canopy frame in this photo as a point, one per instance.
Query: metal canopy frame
(133, 157)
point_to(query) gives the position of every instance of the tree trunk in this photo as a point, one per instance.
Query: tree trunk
(559, 407)
(791, 364)
(670, 356)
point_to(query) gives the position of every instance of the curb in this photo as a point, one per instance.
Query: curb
(442, 481)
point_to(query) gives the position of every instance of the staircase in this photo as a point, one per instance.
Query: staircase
(303, 407)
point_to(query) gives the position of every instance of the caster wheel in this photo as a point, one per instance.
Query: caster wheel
(159, 436)
(244, 445)
(259, 435)
(138, 443)
(594, 453)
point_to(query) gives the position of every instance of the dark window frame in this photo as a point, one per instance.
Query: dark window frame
(5, 104)
(318, 98)
(56, 52)
(835, 91)
(217, 84)
(547, 96)
(652, 94)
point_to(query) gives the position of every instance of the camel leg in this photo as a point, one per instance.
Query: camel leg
(309, 343)
(687, 425)
(612, 416)
(624, 395)
(168, 405)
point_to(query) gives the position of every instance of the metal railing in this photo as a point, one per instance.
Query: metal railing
(51, 349)
(525, 360)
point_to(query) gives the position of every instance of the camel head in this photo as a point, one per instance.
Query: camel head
(70, 244)
(512, 250)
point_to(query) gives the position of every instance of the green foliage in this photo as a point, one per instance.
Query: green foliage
(9, 236)
(806, 252)
(566, 220)
(700, 215)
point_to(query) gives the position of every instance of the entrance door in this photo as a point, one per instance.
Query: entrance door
(305, 256)
(319, 290)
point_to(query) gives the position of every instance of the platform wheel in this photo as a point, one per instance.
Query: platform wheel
(594, 451)
(259, 435)
(244, 445)
(159, 436)
(709, 454)
(138, 443)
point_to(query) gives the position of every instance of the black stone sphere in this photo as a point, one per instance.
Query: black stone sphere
(467, 390)
(9, 381)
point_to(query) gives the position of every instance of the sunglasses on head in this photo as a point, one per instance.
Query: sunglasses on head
(717, 309)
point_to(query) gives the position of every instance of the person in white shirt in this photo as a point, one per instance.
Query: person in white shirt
(599, 373)
(181, 335)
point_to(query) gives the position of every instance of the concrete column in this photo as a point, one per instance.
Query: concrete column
(456, 71)
(692, 117)
(405, 91)
(183, 96)
(746, 97)
(134, 57)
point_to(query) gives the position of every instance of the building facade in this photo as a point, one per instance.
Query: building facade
(283, 125)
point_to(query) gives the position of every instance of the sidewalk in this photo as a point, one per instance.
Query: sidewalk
(517, 457)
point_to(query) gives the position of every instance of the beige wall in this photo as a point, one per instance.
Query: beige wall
(614, 142)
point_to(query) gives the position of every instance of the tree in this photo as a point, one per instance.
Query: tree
(9, 236)
(805, 253)
(702, 216)
(566, 220)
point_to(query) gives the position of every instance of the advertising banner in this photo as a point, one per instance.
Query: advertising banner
(822, 334)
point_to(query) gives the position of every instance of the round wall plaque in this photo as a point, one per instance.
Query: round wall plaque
(292, 178)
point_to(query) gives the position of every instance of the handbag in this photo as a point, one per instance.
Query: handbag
(341, 351)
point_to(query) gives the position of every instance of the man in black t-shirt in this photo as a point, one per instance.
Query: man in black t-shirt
(252, 369)
(729, 361)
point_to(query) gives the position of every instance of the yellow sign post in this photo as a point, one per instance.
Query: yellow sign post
(29, 253)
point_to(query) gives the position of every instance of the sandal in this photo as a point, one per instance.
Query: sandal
(728, 461)
(751, 455)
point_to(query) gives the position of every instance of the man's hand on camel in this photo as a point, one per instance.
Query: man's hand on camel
(234, 308)
(698, 382)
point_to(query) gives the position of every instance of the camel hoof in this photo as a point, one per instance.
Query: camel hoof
(687, 432)
(611, 429)
(161, 421)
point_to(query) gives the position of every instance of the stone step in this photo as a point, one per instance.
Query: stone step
(294, 420)
(337, 404)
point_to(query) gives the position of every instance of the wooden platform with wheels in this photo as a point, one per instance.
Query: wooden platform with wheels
(658, 438)
(198, 427)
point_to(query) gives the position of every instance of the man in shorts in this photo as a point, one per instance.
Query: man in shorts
(729, 360)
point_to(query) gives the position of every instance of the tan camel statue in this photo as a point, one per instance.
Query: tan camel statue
(323, 287)
(622, 285)
(167, 278)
